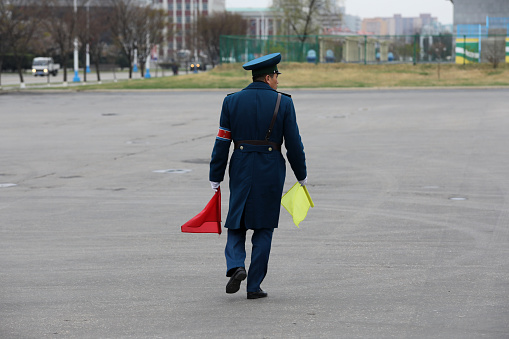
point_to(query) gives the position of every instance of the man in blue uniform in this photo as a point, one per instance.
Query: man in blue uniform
(257, 119)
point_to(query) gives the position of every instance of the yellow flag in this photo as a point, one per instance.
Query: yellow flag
(297, 202)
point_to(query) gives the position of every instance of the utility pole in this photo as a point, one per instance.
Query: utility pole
(76, 75)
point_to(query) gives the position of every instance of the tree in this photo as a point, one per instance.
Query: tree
(93, 30)
(135, 27)
(99, 37)
(304, 17)
(494, 47)
(19, 20)
(122, 29)
(61, 24)
(210, 28)
(404, 51)
(149, 24)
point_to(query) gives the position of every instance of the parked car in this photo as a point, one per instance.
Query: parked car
(44, 66)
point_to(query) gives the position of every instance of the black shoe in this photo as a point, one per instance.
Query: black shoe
(256, 295)
(233, 285)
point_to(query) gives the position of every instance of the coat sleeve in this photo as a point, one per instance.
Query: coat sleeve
(293, 143)
(221, 150)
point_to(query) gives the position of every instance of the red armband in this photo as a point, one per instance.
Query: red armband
(224, 134)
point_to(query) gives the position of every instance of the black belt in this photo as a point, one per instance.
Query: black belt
(270, 144)
(266, 142)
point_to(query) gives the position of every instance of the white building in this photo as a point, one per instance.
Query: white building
(183, 14)
(260, 21)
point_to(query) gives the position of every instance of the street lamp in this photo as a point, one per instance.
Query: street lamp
(135, 59)
(87, 70)
(76, 75)
(147, 62)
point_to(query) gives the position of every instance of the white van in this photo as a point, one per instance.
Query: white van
(44, 66)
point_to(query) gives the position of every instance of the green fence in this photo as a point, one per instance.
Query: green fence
(362, 49)
(244, 48)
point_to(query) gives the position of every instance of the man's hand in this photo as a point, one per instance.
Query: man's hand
(214, 185)
(303, 182)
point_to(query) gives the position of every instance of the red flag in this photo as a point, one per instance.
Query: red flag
(208, 220)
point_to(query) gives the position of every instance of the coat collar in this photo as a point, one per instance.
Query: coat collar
(259, 85)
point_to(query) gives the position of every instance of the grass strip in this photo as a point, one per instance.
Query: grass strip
(337, 75)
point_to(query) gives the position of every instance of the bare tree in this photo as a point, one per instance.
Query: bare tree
(93, 31)
(99, 37)
(123, 28)
(19, 20)
(149, 24)
(494, 47)
(303, 17)
(61, 24)
(136, 27)
(210, 28)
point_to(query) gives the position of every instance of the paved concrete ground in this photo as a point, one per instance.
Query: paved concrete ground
(409, 237)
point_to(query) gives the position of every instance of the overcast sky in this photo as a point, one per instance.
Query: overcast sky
(442, 9)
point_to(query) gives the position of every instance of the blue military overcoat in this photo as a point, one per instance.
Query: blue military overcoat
(257, 173)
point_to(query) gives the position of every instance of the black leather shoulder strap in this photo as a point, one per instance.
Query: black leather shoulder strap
(286, 94)
(276, 109)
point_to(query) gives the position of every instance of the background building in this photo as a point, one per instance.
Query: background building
(351, 23)
(474, 12)
(183, 14)
(482, 31)
(376, 26)
(260, 21)
(269, 21)
(398, 25)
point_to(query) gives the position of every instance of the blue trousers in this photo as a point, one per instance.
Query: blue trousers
(235, 253)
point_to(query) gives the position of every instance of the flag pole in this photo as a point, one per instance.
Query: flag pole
(309, 197)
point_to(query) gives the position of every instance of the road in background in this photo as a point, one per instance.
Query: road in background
(11, 80)
(409, 237)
